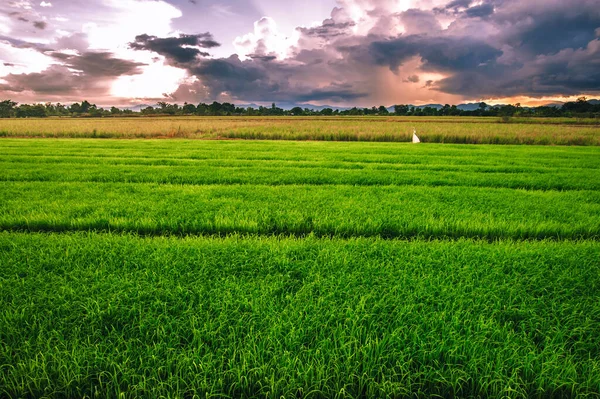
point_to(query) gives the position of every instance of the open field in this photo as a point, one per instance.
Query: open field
(298, 269)
(102, 314)
(345, 190)
(559, 131)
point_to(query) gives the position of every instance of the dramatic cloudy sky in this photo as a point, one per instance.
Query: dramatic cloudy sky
(340, 52)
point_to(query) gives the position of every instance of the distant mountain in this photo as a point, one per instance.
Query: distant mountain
(136, 108)
(436, 106)
(559, 104)
(555, 105)
(288, 106)
(468, 107)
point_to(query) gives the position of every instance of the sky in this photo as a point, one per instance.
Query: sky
(335, 52)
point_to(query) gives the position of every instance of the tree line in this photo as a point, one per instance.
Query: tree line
(10, 109)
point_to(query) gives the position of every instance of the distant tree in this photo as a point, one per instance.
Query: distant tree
(7, 108)
(382, 110)
(189, 109)
(61, 109)
(115, 111)
(86, 106)
(148, 111)
(297, 111)
(327, 111)
(214, 108)
(578, 107)
(429, 111)
(31, 111)
(97, 112)
(202, 109)
(355, 111)
(227, 109)
(75, 108)
(401, 110)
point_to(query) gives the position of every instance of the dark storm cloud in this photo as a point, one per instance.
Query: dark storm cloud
(333, 92)
(494, 49)
(56, 80)
(262, 57)
(258, 80)
(90, 73)
(545, 30)
(480, 11)
(328, 29)
(458, 4)
(549, 48)
(437, 53)
(491, 48)
(181, 49)
(569, 72)
(100, 64)
(40, 25)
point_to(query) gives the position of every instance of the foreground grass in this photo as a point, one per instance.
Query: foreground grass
(84, 315)
(388, 129)
(291, 290)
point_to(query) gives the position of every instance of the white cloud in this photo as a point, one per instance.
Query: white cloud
(22, 60)
(23, 4)
(155, 80)
(130, 18)
(265, 40)
(222, 11)
(5, 23)
(45, 4)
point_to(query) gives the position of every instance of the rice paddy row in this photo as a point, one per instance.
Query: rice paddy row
(297, 189)
(297, 163)
(392, 129)
(105, 315)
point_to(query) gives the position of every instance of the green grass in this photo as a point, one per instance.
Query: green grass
(342, 211)
(329, 189)
(187, 268)
(94, 314)
(285, 163)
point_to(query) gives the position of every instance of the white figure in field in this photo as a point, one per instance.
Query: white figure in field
(415, 137)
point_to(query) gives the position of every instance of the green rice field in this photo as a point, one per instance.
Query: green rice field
(307, 269)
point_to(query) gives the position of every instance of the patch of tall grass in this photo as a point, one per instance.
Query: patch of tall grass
(433, 130)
